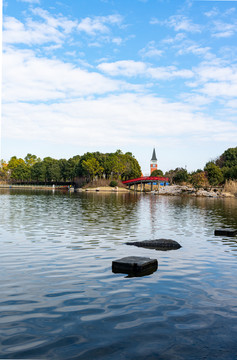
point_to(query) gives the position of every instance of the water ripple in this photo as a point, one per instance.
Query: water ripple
(60, 299)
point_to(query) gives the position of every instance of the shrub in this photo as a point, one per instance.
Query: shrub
(199, 179)
(214, 174)
(113, 183)
(231, 187)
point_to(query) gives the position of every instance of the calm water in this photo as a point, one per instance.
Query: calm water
(60, 299)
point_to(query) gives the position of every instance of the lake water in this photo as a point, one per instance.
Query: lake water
(61, 300)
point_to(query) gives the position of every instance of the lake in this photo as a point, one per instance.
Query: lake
(61, 300)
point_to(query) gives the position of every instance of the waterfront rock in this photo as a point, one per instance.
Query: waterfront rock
(225, 232)
(174, 190)
(135, 265)
(158, 244)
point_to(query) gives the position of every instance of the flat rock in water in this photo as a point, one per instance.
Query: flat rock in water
(135, 265)
(225, 232)
(159, 244)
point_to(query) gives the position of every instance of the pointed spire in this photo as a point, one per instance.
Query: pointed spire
(154, 155)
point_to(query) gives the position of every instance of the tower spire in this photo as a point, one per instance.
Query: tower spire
(153, 163)
(154, 158)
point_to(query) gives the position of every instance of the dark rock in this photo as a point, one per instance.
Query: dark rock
(135, 265)
(159, 244)
(225, 232)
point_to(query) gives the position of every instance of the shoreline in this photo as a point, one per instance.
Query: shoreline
(171, 190)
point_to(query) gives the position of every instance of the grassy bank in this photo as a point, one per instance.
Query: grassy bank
(230, 187)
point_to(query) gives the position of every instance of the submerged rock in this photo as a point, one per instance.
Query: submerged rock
(135, 265)
(225, 232)
(159, 244)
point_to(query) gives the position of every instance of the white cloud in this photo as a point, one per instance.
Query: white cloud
(107, 121)
(59, 102)
(196, 100)
(132, 68)
(154, 21)
(58, 21)
(222, 29)
(195, 49)
(169, 72)
(124, 67)
(216, 82)
(28, 78)
(98, 24)
(150, 50)
(220, 89)
(171, 40)
(213, 12)
(180, 23)
(117, 40)
(36, 32)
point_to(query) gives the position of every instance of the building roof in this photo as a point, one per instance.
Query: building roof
(154, 155)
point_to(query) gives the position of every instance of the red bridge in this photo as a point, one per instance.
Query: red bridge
(146, 180)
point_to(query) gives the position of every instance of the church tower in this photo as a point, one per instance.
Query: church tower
(154, 164)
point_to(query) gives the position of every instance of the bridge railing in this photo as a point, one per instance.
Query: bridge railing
(146, 179)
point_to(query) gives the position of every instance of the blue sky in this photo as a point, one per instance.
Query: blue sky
(102, 75)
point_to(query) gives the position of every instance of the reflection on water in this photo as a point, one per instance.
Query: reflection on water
(60, 299)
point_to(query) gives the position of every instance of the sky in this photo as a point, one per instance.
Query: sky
(100, 75)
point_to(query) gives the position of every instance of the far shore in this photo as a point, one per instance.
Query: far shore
(171, 190)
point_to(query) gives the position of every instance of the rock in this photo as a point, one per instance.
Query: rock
(159, 244)
(225, 232)
(135, 265)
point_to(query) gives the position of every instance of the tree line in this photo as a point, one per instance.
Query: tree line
(215, 172)
(93, 165)
(113, 166)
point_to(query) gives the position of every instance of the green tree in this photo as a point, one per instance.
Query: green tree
(132, 168)
(199, 179)
(228, 158)
(30, 159)
(181, 175)
(3, 170)
(170, 174)
(229, 173)
(52, 169)
(79, 169)
(92, 167)
(118, 165)
(214, 174)
(14, 162)
(63, 169)
(71, 167)
(157, 172)
(38, 171)
(21, 173)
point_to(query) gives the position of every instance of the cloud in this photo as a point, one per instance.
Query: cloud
(179, 23)
(131, 68)
(57, 21)
(61, 103)
(216, 82)
(169, 72)
(176, 39)
(16, 32)
(125, 67)
(223, 30)
(30, 78)
(51, 29)
(192, 48)
(150, 50)
(213, 12)
(98, 24)
(108, 120)
(46, 28)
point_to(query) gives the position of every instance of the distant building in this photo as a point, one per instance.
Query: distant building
(154, 163)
